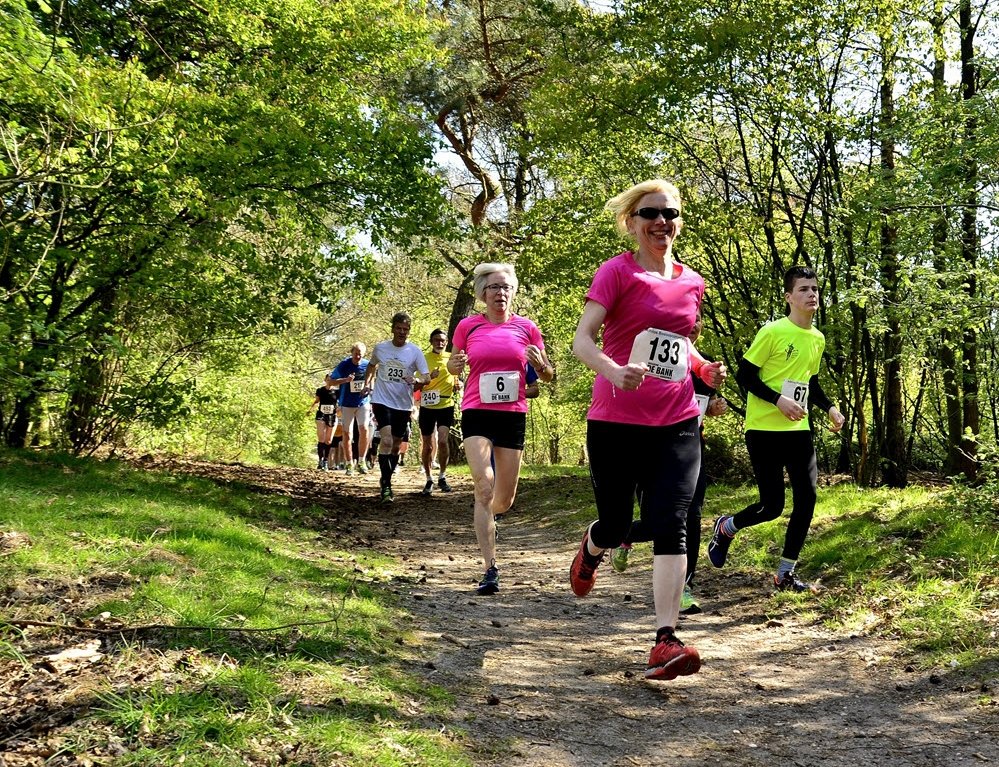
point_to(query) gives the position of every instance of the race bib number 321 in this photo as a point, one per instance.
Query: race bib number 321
(665, 354)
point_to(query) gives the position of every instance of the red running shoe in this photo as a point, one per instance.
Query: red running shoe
(670, 658)
(583, 573)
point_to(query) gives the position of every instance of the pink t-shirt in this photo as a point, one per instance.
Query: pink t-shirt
(494, 349)
(637, 300)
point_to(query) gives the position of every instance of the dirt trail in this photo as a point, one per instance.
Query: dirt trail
(543, 678)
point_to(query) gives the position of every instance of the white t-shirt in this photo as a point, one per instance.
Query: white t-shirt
(394, 363)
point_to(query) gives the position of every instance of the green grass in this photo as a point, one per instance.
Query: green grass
(920, 564)
(112, 543)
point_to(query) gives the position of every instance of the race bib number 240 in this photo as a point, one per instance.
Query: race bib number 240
(795, 390)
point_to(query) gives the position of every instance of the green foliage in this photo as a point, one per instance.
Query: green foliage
(205, 170)
(244, 399)
(763, 115)
(174, 176)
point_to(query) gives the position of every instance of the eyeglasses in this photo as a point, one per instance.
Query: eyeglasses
(652, 214)
(499, 288)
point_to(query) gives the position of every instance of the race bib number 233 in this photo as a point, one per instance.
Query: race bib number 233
(392, 371)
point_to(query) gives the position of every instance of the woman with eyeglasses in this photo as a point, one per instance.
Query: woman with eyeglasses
(495, 346)
(643, 395)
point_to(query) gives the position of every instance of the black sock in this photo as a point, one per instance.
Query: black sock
(320, 451)
(385, 467)
(393, 461)
(664, 633)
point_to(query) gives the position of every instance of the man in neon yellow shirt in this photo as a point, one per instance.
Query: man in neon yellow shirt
(780, 372)
(436, 418)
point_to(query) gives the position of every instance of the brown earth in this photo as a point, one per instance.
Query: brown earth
(542, 678)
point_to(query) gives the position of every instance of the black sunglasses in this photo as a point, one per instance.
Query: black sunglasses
(653, 213)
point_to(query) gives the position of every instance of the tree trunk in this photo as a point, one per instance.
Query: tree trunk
(968, 462)
(89, 386)
(463, 306)
(894, 463)
(944, 348)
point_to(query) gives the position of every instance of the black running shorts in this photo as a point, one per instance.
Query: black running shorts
(501, 427)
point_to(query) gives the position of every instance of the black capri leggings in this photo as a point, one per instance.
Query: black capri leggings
(659, 464)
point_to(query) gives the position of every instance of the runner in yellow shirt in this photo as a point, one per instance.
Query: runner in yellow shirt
(780, 372)
(437, 411)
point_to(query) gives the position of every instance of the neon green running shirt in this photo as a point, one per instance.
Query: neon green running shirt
(788, 356)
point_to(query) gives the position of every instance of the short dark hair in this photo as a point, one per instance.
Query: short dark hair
(797, 273)
(402, 317)
(436, 332)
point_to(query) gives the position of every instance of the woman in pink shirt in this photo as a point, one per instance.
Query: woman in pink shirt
(496, 347)
(643, 395)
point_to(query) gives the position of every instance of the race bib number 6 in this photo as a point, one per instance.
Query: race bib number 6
(499, 387)
(795, 390)
(665, 354)
(392, 371)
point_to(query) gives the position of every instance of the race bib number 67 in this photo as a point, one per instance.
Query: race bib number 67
(665, 354)
(795, 390)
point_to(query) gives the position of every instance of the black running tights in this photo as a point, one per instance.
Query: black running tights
(770, 453)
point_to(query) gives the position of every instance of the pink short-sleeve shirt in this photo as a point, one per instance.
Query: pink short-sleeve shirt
(637, 300)
(492, 349)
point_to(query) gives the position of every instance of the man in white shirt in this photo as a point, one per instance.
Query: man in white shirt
(394, 368)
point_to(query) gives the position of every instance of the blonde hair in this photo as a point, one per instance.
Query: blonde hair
(359, 345)
(622, 205)
(484, 271)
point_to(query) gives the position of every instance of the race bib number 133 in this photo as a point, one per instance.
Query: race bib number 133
(664, 353)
